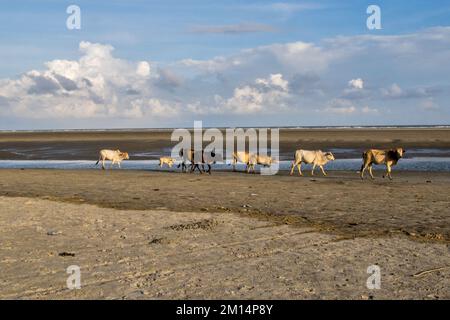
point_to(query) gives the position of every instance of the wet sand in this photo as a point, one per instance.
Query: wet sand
(141, 234)
(148, 144)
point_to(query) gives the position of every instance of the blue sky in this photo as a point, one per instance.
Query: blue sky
(225, 62)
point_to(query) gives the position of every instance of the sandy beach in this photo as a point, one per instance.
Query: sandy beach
(157, 235)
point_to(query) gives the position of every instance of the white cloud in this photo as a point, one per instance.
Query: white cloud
(367, 109)
(285, 58)
(274, 81)
(151, 107)
(356, 83)
(263, 96)
(340, 106)
(143, 69)
(396, 92)
(267, 95)
(429, 105)
(84, 88)
(347, 107)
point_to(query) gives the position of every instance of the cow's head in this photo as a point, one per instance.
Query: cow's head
(210, 157)
(124, 155)
(400, 152)
(329, 156)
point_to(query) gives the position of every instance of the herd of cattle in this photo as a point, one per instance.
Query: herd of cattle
(317, 158)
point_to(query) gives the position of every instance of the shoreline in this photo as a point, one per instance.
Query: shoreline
(85, 145)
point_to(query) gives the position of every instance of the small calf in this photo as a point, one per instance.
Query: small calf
(166, 160)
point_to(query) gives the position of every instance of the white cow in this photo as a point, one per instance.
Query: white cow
(255, 159)
(115, 156)
(241, 156)
(317, 158)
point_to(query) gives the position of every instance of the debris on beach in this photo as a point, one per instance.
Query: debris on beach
(53, 232)
(66, 254)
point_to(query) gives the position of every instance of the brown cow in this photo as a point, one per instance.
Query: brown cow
(387, 157)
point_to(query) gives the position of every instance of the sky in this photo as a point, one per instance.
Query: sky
(152, 64)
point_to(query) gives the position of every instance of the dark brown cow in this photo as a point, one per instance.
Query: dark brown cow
(196, 159)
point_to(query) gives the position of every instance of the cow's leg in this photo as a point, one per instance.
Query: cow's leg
(313, 168)
(292, 168)
(370, 172)
(323, 171)
(103, 163)
(196, 166)
(119, 165)
(112, 164)
(361, 171)
(299, 168)
(389, 169)
(209, 168)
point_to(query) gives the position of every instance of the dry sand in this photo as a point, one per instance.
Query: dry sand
(147, 235)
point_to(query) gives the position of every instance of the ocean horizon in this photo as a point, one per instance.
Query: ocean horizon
(443, 126)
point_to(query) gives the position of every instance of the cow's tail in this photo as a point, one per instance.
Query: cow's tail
(233, 160)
